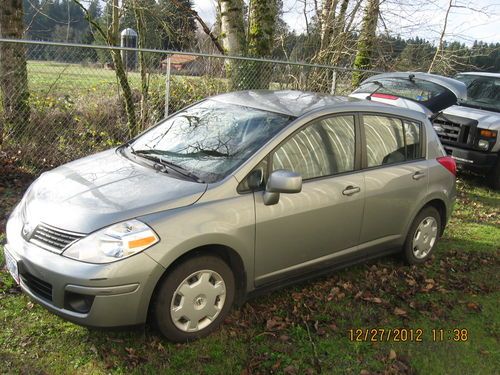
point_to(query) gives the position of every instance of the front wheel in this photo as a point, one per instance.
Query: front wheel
(194, 298)
(494, 175)
(422, 236)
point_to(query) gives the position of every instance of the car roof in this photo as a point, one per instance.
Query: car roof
(483, 74)
(292, 102)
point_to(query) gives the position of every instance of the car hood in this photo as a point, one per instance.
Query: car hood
(102, 189)
(485, 119)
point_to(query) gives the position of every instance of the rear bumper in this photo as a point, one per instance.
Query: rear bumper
(107, 295)
(473, 160)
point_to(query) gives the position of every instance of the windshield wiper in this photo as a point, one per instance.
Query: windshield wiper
(155, 156)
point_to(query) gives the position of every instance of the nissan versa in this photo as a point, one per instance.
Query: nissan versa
(234, 194)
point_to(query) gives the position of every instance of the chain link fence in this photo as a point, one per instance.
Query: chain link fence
(79, 103)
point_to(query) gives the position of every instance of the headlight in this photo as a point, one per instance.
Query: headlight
(483, 145)
(113, 243)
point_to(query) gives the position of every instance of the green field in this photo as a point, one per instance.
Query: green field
(56, 78)
(305, 328)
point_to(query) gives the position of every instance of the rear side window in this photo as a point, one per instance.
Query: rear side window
(391, 140)
(412, 139)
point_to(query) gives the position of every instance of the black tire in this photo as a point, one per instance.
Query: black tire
(493, 176)
(161, 313)
(410, 249)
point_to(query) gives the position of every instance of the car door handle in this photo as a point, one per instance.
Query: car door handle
(350, 190)
(418, 175)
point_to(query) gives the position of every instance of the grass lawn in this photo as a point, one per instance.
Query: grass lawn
(48, 78)
(302, 329)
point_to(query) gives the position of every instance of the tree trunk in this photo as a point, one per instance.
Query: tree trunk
(327, 19)
(141, 30)
(366, 41)
(260, 42)
(13, 71)
(233, 36)
(113, 40)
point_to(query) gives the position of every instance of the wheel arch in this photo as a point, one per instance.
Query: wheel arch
(224, 252)
(436, 201)
(440, 206)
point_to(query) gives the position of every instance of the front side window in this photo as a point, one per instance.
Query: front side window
(210, 139)
(391, 140)
(324, 148)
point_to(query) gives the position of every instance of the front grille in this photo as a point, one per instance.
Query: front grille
(456, 130)
(452, 132)
(39, 287)
(53, 239)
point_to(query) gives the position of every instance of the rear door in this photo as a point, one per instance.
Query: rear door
(396, 177)
(423, 92)
(303, 231)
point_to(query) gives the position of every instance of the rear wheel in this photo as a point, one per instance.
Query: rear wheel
(194, 298)
(422, 236)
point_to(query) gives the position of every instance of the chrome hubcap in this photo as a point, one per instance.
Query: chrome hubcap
(424, 238)
(198, 300)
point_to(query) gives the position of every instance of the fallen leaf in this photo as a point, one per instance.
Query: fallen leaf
(473, 306)
(373, 299)
(277, 365)
(399, 311)
(284, 338)
(275, 324)
(411, 282)
(392, 355)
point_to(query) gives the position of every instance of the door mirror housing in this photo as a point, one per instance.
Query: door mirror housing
(281, 181)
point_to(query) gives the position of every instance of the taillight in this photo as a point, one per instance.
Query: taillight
(449, 163)
(384, 96)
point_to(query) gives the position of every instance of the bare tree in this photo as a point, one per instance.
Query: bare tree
(232, 26)
(439, 49)
(13, 71)
(138, 9)
(202, 23)
(366, 41)
(112, 38)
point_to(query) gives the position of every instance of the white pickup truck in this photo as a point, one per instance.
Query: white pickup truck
(465, 112)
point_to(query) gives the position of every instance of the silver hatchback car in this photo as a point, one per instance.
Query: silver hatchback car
(235, 194)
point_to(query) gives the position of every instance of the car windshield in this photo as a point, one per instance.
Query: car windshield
(482, 92)
(210, 139)
(416, 89)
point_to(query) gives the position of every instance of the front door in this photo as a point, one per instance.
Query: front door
(306, 229)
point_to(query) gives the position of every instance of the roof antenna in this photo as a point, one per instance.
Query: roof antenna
(411, 77)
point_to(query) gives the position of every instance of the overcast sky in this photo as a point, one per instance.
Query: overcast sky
(473, 20)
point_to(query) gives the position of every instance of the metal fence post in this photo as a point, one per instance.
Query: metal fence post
(334, 83)
(167, 86)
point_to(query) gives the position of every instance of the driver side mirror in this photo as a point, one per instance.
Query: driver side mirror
(281, 181)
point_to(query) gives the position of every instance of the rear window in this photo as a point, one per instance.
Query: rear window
(416, 89)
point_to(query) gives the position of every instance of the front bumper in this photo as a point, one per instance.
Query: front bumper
(473, 160)
(97, 295)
